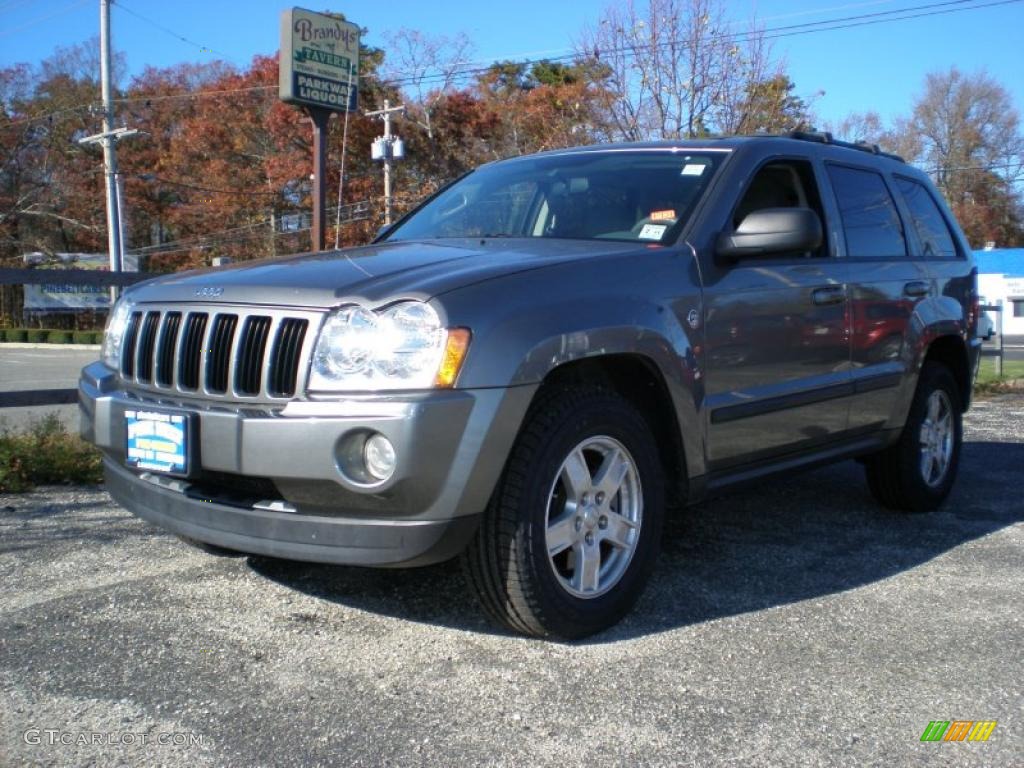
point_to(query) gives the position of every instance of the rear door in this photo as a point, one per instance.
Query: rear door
(887, 283)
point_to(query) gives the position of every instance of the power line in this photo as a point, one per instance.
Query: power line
(188, 185)
(207, 94)
(792, 30)
(235, 233)
(995, 167)
(41, 19)
(170, 32)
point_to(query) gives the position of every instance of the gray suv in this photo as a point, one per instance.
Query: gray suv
(538, 361)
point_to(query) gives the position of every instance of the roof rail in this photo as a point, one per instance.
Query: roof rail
(824, 137)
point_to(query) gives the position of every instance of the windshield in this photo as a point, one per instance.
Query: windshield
(624, 195)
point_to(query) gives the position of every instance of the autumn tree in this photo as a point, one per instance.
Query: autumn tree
(48, 181)
(674, 69)
(969, 137)
(770, 106)
(426, 68)
(869, 128)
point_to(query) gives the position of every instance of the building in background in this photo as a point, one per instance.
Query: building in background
(1001, 278)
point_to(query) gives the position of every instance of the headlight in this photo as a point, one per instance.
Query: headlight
(113, 336)
(401, 347)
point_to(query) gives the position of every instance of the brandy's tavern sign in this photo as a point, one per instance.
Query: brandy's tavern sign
(319, 60)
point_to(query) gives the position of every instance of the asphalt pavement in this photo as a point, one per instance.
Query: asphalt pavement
(795, 624)
(28, 367)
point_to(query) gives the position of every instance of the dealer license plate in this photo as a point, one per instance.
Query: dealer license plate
(158, 441)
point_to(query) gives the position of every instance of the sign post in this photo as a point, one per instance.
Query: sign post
(319, 70)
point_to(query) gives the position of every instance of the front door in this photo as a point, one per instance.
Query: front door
(777, 356)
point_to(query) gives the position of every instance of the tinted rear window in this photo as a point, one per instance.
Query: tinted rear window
(870, 221)
(930, 224)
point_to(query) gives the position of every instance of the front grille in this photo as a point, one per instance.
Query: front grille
(214, 352)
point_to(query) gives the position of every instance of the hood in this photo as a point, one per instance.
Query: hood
(370, 274)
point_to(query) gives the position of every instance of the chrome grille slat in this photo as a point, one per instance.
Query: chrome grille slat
(221, 353)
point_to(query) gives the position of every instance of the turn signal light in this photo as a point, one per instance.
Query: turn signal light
(454, 355)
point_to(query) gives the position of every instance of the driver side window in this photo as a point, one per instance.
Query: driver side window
(782, 184)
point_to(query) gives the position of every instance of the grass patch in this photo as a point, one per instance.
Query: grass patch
(988, 382)
(46, 454)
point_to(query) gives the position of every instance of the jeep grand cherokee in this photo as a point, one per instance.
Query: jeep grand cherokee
(527, 369)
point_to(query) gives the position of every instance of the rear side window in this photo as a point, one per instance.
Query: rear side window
(932, 230)
(870, 221)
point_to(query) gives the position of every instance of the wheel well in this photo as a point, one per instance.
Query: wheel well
(637, 379)
(950, 352)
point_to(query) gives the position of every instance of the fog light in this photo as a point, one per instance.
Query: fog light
(379, 455)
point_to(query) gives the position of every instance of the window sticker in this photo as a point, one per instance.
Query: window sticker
(694, 169)
(652, 231)
(662, 215)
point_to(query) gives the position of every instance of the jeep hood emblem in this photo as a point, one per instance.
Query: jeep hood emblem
(209, 291)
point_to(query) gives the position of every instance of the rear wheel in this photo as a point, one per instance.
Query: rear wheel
(917, 473)
(570, 536)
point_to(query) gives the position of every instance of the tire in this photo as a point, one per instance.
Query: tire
(917, 473)
(211, 549)
(604, 536)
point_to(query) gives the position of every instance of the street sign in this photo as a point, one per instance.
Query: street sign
(319, 64)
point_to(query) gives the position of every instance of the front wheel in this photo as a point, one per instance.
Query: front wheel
(917, 473)
(570, 536)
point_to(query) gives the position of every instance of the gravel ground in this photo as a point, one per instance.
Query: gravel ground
(796, 624)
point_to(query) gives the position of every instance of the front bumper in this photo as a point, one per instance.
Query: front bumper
(274, 481)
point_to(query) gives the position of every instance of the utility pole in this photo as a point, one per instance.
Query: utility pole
(109, 138)
(320, 118)
(109, 145)
(387, 148)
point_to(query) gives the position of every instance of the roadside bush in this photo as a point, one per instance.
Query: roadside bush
(3, 334)
(36, 336)
(59, 337)
(85, 337)
(46, 454)
(17, 334)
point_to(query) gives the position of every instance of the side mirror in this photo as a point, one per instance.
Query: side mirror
(768, 232)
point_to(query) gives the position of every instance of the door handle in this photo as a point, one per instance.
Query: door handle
(916, 288)
(830, 294)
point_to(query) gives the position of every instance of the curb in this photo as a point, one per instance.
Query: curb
(33, 345)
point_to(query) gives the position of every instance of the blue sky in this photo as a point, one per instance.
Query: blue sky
(878, 66)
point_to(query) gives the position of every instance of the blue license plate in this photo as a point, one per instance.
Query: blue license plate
(157, 441)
